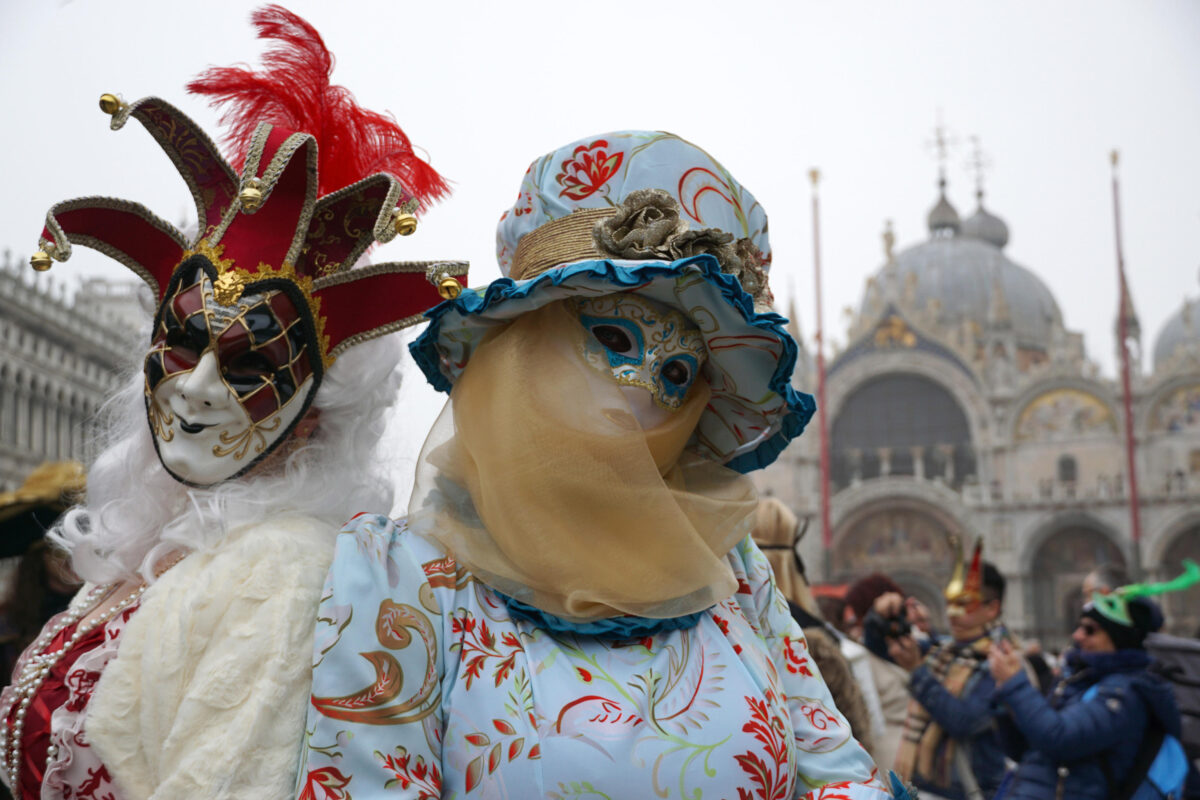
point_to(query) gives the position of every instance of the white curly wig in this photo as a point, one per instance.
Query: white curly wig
(136, 513)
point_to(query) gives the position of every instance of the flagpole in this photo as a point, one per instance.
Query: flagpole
(814, 175)
(1135, 519)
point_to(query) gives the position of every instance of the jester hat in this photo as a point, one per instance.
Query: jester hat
(650, 214)
(280, 214)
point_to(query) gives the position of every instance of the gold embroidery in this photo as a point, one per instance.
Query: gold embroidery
(375, 704)
(160, 421)
(228, 288)
(240, 442)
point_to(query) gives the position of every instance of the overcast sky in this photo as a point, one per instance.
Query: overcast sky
(771, 89)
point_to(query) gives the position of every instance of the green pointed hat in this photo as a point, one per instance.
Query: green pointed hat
(1115, 605)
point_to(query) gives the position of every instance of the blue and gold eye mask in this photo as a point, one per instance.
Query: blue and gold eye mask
(642, 343)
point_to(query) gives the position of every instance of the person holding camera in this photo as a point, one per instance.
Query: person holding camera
(949, 748)
(1111, 727)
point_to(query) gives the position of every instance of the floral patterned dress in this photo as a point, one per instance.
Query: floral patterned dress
(424, 686)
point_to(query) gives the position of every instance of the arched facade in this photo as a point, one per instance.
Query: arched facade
(1057, 558)
(956, 350)
(1182, 608)
(901, 424)
(908, 538)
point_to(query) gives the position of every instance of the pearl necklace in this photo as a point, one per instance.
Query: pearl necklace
(38, 666)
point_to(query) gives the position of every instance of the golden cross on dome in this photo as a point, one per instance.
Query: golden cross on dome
(941, 145)
(979, 162)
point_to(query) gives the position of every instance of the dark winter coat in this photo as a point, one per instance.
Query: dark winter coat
(1083, 743)
(968, 720)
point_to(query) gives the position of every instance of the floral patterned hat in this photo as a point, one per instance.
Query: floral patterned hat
(647, 213)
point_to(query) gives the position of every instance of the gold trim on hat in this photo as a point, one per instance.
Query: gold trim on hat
(559, 241)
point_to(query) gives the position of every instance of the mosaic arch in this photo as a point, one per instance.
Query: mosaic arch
(1061, 563)
(910, 544)
(1064, 414)
(901, 424)
(1182, 609)
(1178, 411)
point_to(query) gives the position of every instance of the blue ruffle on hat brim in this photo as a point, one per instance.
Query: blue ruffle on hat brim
(746, 429)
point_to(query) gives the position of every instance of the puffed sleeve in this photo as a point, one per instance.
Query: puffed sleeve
(830, 762)
(375, 719)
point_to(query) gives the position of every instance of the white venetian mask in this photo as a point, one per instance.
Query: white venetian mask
(225, 384)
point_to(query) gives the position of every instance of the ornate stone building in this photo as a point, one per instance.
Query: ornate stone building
(962, 405)
(59, 361)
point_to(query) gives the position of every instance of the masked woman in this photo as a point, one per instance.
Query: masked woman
(574, 607)
(236, 452)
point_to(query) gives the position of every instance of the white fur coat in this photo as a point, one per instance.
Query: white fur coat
(207, 695)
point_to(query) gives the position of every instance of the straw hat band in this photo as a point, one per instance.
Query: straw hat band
(559, 241)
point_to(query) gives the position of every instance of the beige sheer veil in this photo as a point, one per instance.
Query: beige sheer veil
(538, 478)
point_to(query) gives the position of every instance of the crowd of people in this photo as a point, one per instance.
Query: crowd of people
(972, 713)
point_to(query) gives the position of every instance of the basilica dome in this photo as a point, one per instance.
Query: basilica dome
(960, 266)
(986, 227)
(1180, 331)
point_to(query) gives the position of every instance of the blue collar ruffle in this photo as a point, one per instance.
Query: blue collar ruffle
(610, 628)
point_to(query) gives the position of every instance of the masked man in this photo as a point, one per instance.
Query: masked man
(949, 748)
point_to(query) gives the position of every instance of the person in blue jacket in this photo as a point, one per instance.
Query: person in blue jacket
(949, 747)
(1083, 740)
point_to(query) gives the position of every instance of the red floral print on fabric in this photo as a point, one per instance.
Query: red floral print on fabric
(496, 752)
(610, 712)
(840, 790)
(587, 170)
(478, 645)
(797, 662)
(325, 784)
(821, 720)
(723, 624)
(81, 683)
(697, 182)
(97, 779)
(424, 777)
(770, 778)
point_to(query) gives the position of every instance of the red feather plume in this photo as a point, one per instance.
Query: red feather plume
(293, 91)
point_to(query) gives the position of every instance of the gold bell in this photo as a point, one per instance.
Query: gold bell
(449, 287)
(251, 196)
(41, 261)
(405, 224)
(110, 104)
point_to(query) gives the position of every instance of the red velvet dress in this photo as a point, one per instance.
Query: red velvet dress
(55, 715)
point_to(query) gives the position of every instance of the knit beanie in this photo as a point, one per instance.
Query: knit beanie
(1147, 618)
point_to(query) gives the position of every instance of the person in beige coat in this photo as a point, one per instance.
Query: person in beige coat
(879, 592)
